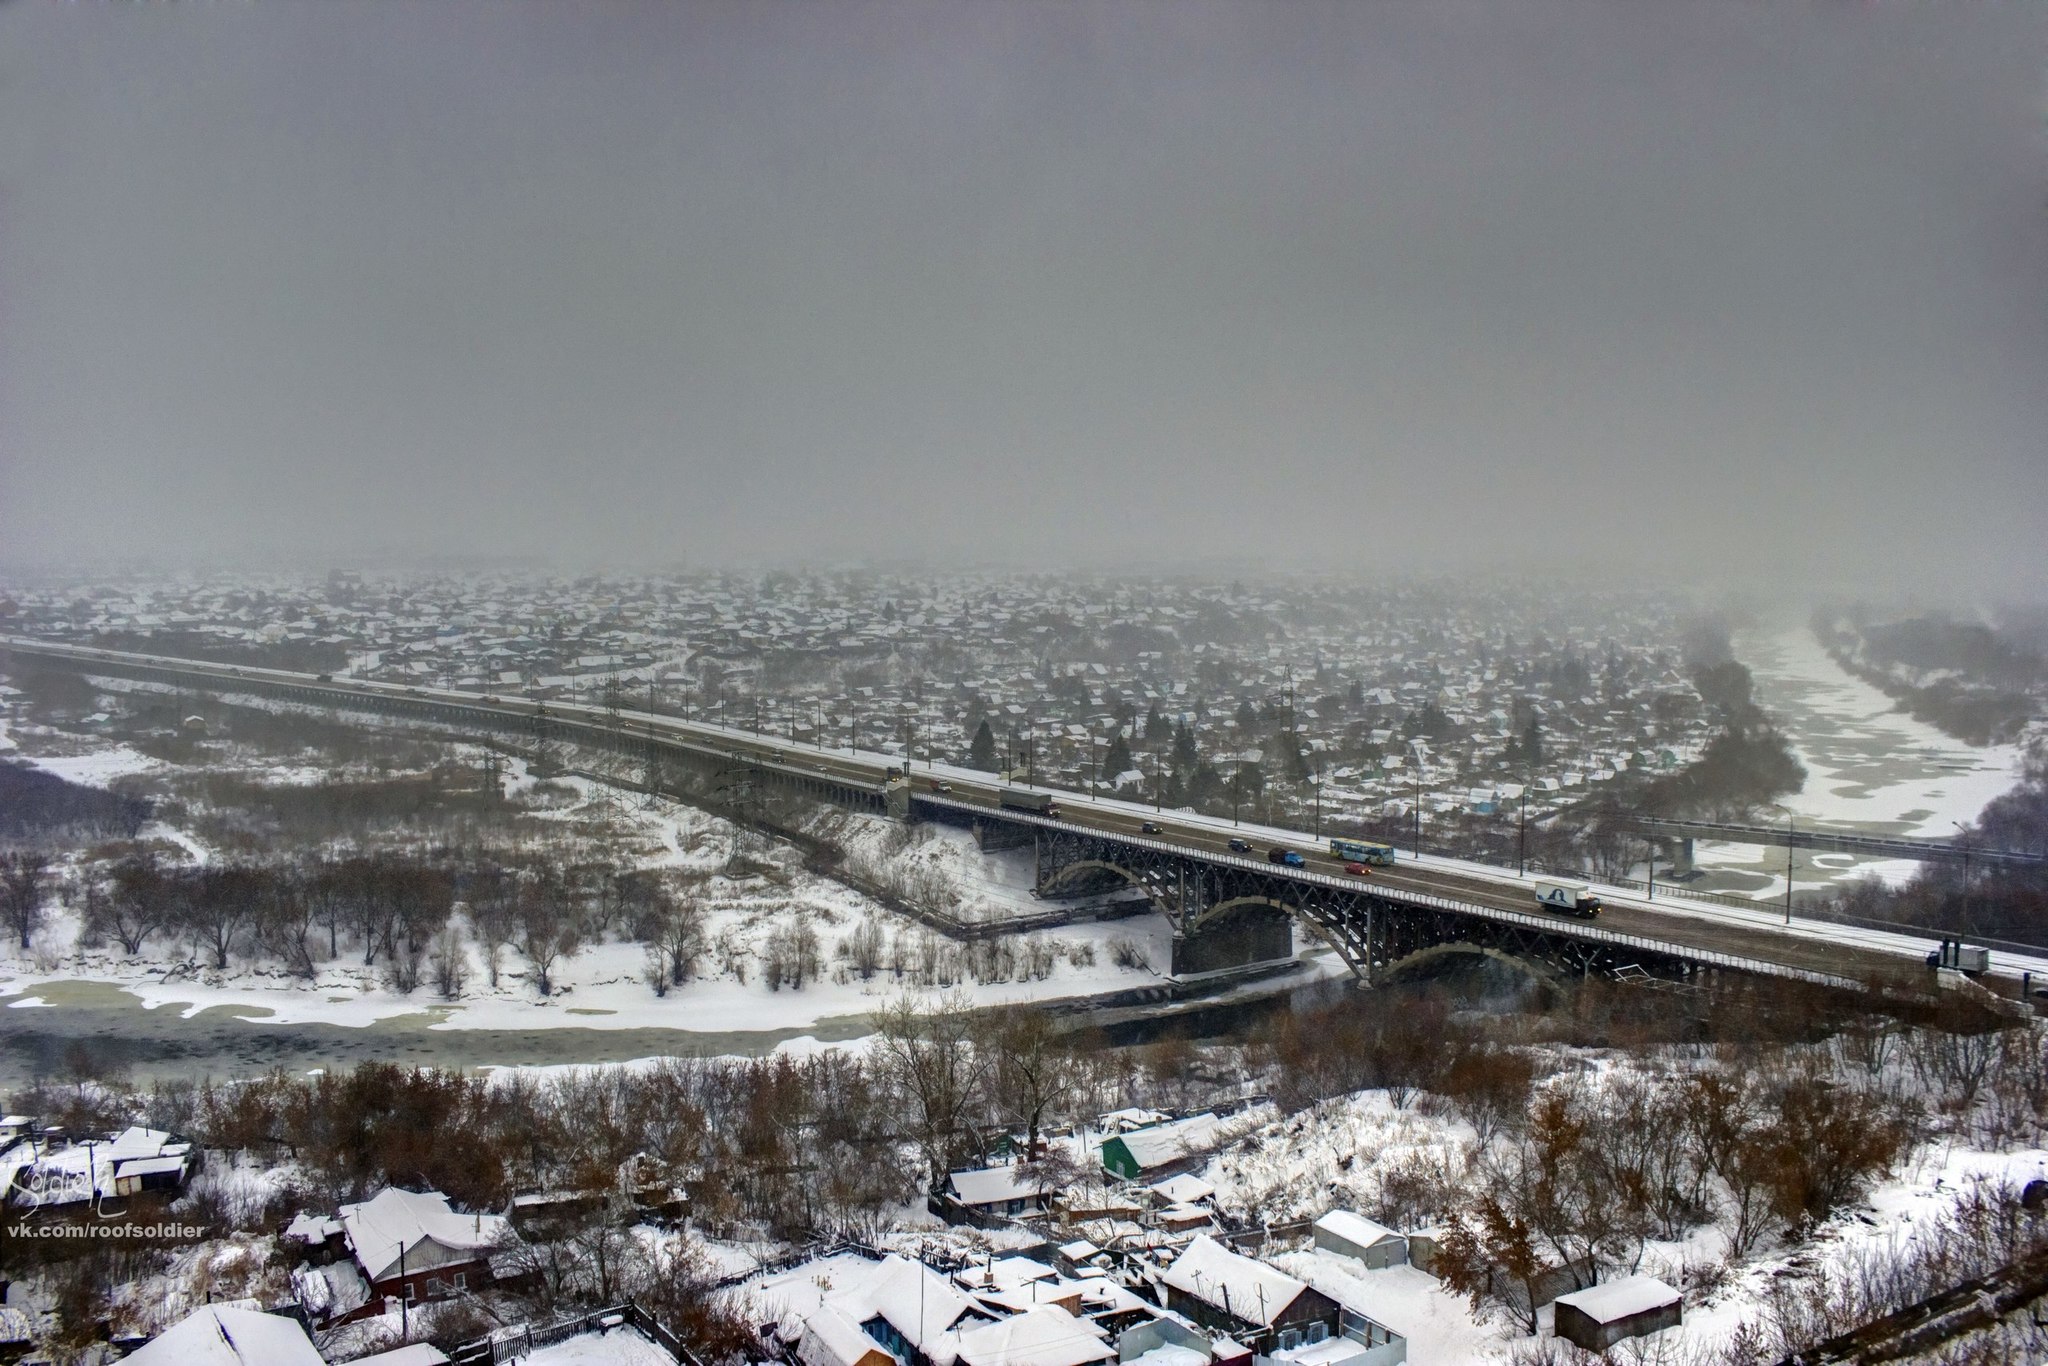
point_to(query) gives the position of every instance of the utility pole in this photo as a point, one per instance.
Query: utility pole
(1963, 838)
(1789, 852)
(1522, 836)
(1315, 782)
(1418, 813)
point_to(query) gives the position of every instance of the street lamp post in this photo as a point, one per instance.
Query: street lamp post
(1522, 836)
(1790, 850)
(1418, 813)
(1315, 783)
(1963, 838)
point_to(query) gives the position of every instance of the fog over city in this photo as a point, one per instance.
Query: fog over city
(1724, 291)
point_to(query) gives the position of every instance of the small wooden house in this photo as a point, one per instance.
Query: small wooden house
(1597, 1318)
(1353, 1235)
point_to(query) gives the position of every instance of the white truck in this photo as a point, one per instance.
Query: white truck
(1573, 898)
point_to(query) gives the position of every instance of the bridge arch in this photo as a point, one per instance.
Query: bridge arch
(1133, 876)
(1420, 962)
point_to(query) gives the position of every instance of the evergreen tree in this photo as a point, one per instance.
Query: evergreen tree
(1118, 759)
(1531, 748)
(981, 753)
(1184, 751)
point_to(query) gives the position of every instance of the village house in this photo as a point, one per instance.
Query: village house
(229, 1335)
(1010, 1190)
(412, 1246)
(1160, 1151)
(1353, 1235)
(1283, 1320)
(1599, 1317)
(48, 1172)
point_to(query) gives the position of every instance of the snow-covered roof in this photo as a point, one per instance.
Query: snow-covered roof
(312, 1228)
(1625, 1298)
(993, 1185)
(1354, 1228)
(1046, 1335)
(1184, 1189)
(413, 1354)
(1234, 1283)
(915, 1300)
(1165, 1143)
(830, 1338)
(222, 1335)
(395, 1220)
(1005, 1272)
(1167, 1354)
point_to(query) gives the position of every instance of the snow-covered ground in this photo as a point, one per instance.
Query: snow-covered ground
(604, 986)
(619, 1347)
(1354, 1153)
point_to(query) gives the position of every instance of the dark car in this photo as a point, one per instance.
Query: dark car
(1150, 827)
(1238, 846)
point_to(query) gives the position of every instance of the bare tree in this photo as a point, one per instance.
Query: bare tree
(1033, 1069)
(22, 875)
(284, 925)
(928, 1056)
(547, 930)
(138, 905)
(221, 903)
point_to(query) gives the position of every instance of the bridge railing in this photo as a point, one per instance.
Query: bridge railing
(1428, 900)
(712, 741)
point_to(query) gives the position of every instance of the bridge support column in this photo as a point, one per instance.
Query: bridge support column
(1681, 861)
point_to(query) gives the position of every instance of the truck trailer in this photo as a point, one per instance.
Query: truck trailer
(1573, 898)
(1024, 799)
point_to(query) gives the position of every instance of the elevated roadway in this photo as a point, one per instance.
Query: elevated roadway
(1669, 928)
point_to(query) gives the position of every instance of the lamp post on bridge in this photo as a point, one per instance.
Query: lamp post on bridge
(1315, 783)
(1963, 839)
(1522, 836)
(1418, 812)
(1790, 850)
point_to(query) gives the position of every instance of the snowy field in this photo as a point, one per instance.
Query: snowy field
(603, 986)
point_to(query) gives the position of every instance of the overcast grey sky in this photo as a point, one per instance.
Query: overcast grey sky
(1682, 287)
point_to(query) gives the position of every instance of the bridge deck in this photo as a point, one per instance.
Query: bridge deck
(1732, 938)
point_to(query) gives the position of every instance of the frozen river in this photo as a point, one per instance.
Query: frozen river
(1869, 768)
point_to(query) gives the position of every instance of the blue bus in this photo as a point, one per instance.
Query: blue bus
(1351, 851)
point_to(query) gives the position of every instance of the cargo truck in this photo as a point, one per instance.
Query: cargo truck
(1573, 898)
(1023, 799)
(1970, 959)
